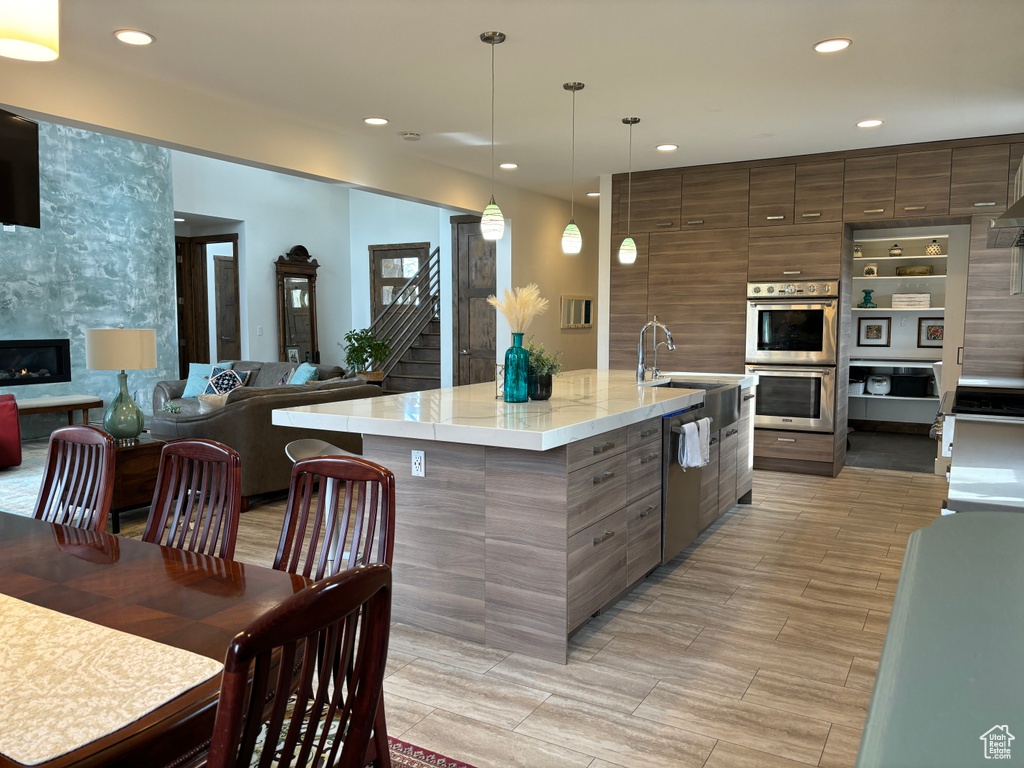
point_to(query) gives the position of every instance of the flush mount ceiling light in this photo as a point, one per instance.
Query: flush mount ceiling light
(572, 238)
(872, 123)
(509, 166)
(133, 37)
(375, 120)
(492, 222)
(30, 31)
(832, 45)
(627, 251)
(667, 147)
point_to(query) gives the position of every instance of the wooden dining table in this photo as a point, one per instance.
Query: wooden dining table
(193, 602)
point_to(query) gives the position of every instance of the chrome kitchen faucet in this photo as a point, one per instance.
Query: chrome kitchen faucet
(641, 369)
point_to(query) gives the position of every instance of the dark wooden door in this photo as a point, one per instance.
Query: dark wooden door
(225, 281)
(391, 266)
(474, 279)
(193, 319)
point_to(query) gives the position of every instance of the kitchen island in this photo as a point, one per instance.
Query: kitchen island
(529, 517)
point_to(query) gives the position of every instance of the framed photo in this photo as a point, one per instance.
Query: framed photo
(292, 353)
(930, 331)
(874, 331)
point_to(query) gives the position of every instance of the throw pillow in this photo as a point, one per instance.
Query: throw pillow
(304, 374)
(199, 376)
(209, 403)
(284, 379)
(223, 380)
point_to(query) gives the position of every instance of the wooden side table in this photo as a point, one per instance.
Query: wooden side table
(135, 470)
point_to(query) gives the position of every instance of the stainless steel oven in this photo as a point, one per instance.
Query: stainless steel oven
(795, 397)
(792, 323)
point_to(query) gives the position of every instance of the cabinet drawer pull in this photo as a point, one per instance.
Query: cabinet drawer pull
(791, 272)
(695, 221)
(748, 397)
(601, 478)
(648, 459)
(603, 538)
(712, 441)
(732, 432)
(983, 205)
(914, 207)
(786, 439)
(875, 210)
(664, 224)
(603, 448)
(648, 432)
(811, 215)
(775, 218)
(646, 512)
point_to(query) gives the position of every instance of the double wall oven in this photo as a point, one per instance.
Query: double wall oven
(792, 338)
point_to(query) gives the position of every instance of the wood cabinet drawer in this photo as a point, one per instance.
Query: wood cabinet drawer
(745, 446)
(771, 195)
(708, 510)
(595, 491)
(643, 432)
(977, 182)
(714, 199)
(643, 536)
(596, 560)
(805, 446)
(922, 183)
(869, 188)
(655, 202)
(729, 442)
(593, 449)
(644, 470)
(819, 192)
(796, 253)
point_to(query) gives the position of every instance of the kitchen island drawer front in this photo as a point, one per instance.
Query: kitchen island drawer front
(596, 491)
(597, 567)
(644, 470)
(593, 449)
(643, 536)
(793, 445)
(644, 432)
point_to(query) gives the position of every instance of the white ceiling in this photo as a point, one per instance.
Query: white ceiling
(725, 79)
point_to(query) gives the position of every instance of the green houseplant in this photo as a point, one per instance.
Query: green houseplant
(364, 350)
(542, 367)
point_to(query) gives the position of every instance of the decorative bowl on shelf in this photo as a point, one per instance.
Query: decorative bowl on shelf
(934, 249)
(871, 270)
(858, 252)
(895, 251)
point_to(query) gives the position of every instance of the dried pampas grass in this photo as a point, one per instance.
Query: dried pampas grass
(521, 307)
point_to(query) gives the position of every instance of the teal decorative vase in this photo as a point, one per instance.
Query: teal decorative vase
(517, 364)
(123, 419)
(868, 303)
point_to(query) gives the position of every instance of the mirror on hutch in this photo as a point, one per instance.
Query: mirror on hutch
(296, 306)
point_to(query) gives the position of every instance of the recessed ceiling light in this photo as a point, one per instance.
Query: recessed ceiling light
(133, 36)
(833, 45)
(509, 166)
(178, 219)
(375, 120)
(593, 194)
(667, 147)
(872, 123)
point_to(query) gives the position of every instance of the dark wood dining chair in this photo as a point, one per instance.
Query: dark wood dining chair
(350, 521)
(78, 482)
(197, 500)
(336, 632)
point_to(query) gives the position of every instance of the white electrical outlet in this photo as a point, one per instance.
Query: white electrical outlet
(418, 464)
(259, 330)
(903, 320)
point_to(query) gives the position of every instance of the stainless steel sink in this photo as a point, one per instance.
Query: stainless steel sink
(721, 399)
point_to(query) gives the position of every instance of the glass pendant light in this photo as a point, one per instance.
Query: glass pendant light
(492, 222)
(572, 239)
(627, 251)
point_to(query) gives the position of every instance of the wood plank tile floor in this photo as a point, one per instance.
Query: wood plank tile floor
(756, 647)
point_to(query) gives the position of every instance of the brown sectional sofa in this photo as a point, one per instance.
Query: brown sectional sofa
(244, 422)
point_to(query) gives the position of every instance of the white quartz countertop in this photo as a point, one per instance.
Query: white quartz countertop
(582, 403)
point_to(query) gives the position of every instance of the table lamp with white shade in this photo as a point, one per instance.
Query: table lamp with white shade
(121, 349)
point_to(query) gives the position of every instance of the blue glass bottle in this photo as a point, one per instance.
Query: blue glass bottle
(517, 364)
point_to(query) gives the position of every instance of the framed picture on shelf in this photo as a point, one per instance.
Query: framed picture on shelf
(930, 331)
(874, 331)
(292, 353)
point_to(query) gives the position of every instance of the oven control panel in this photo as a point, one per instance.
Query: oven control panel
(824, 289)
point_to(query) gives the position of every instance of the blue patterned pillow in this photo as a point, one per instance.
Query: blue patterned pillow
(199, 377)
(304, 374)
(223, 380)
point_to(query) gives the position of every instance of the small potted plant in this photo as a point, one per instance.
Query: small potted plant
(363, 351)
(541, 368)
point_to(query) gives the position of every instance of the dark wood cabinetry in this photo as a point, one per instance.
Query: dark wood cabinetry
(869, 187)
(922, 183)
(655, 203)
(771, 195)
(708, 510)
(745, 443)
(809, 252)
(627, 304)
(728, 444)
(1016, 155)
(977, 181)
(819, 192)
(715, 198)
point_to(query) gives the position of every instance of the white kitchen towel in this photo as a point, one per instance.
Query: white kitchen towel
(704, 428)
(693, 444)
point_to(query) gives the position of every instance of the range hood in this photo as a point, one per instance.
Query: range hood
(1008, 229)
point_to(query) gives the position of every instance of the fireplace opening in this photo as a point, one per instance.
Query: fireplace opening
(34, 361)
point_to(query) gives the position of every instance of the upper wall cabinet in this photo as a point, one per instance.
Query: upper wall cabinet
(1016, 156)
(771, 195)
(978, 179)
(819, 192)
(795, 253)
(715, 198)
(869, 188)
(922, 183)
(655, 202)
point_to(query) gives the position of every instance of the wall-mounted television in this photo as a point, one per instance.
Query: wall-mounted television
(19, 171)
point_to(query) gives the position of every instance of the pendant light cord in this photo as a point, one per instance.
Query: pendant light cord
(492, 119)
(629, 183)
(572, 171)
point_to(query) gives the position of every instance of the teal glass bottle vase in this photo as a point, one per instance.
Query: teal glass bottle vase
(123, 418)
(517, 364)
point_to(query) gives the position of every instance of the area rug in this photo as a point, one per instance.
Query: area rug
(404, 755)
